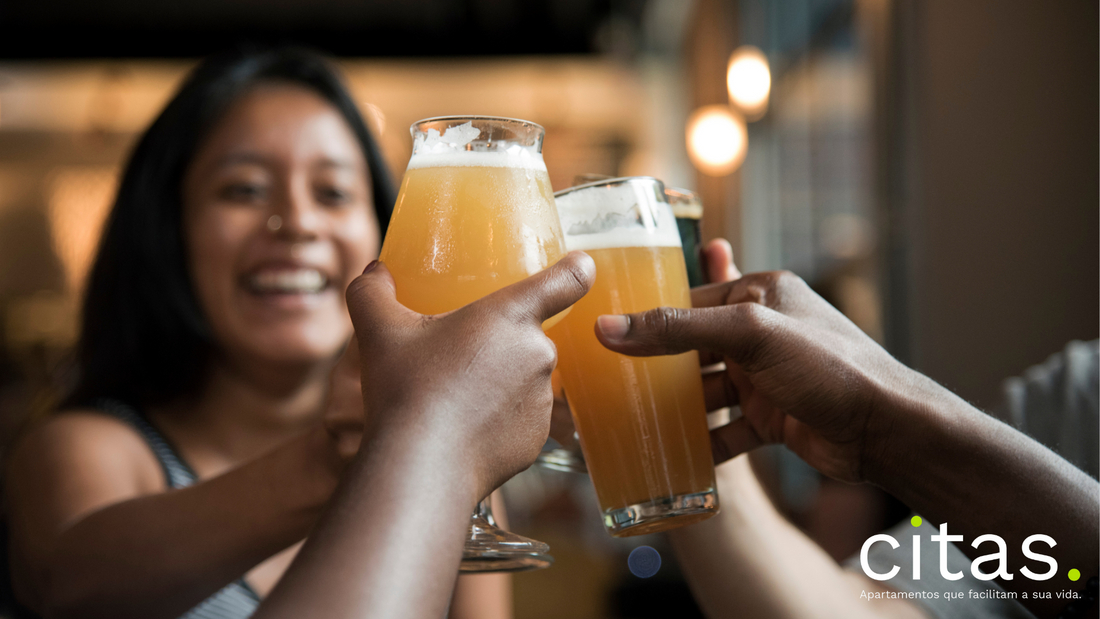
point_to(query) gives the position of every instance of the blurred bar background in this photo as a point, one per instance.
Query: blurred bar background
(929, 166)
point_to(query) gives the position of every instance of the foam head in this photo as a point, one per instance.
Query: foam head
(618, 212)
(477, 141)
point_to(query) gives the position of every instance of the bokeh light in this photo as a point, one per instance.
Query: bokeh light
(716, 140)
(749, 81)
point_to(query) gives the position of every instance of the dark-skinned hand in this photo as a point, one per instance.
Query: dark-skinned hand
(475, 380)
(803, 374)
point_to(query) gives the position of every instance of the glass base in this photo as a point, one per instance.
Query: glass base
(661, 514)
(492, 549)
(562, 459)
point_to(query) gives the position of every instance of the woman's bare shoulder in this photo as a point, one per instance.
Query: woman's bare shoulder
(60, 471)
(84, 445)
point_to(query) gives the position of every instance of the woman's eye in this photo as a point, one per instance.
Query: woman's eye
(244, 192)
(333, 195)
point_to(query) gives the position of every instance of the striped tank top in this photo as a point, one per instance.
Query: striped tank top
(237, 600)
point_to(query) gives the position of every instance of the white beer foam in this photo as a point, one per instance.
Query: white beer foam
(522, 158)
(627, 217)
(432, 150)
(455, 137)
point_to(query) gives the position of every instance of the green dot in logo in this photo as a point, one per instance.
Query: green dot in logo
(916, 521)
(1074, 575)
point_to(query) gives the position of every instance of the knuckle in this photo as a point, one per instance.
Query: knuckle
(758, 287)
(788, 280)
(574, 278)
(754, 322)
(749, 315)
(769, 288)
(662, 320)
(790, 290)
(354, 290)
(548, 354)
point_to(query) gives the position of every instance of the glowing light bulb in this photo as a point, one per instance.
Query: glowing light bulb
(716, 140)
(749, 81)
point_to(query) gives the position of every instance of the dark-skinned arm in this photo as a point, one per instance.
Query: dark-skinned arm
(459, 403)
(806, 377)
(747, 556)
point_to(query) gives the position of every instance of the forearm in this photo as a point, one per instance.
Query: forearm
(953, 464)
(390, 543)
(159, 555)
(749, 558)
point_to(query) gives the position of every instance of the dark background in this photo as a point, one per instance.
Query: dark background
(412, 28)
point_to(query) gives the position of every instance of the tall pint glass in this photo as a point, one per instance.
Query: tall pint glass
(641, 420)
(475, 213)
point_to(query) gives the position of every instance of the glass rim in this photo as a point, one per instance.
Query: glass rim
(686, 204)
(618, 180)
(687, 193)
(478, 117)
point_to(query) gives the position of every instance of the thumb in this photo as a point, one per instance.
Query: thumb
(737, 331)
(549, 291)
(373, 305)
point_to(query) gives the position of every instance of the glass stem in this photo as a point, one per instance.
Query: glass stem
(484, 511)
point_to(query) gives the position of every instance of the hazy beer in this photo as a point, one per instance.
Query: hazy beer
(469, 223)
(475, 213)
(641, 420)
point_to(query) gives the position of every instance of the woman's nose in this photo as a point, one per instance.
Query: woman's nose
(296, 216)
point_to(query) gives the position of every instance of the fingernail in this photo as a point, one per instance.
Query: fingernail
(370, 267)
(613, 327)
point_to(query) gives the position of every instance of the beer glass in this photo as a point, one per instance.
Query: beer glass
(475, 213)
(642, 420)
(562, 451)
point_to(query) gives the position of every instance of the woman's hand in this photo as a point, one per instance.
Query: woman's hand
(477, 379)
(803, 374)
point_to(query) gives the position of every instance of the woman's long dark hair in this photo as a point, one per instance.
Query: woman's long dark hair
(144, 339)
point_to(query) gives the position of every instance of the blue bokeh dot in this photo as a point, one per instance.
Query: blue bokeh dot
(644, 561)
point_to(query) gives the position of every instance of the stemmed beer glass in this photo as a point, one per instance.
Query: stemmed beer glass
(475, 213)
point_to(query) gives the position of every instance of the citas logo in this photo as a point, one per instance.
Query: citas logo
(999, 558)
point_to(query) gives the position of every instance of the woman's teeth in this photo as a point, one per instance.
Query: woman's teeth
(299, 281)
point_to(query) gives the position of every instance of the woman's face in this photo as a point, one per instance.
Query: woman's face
(278, 219)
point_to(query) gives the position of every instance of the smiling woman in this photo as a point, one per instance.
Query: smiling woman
(229, 137)
(277, 220)
(204, 434)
